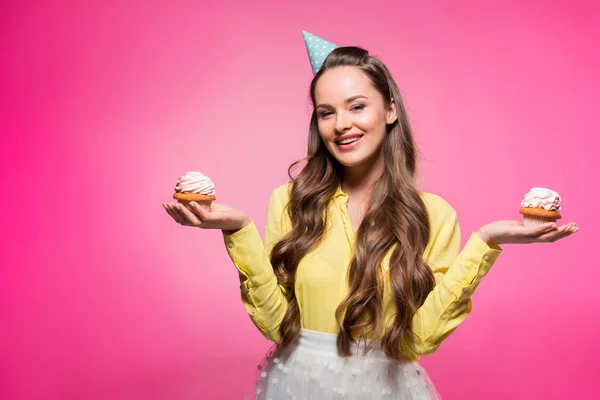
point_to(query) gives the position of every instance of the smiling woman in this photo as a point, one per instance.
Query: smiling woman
(352, 116)
(360, 272)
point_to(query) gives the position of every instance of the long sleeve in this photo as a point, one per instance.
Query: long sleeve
(263, 298)
(457, 276)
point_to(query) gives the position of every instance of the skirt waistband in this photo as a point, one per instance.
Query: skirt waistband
(326, 343)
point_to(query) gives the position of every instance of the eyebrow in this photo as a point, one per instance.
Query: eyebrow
(348, 100)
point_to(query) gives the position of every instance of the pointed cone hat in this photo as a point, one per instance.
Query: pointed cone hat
(318, 50)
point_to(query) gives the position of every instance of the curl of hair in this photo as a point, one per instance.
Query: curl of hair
(400, 222)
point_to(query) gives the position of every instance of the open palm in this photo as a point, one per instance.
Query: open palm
(513, 231)
(219, 216)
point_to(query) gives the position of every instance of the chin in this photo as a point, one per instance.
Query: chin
(350, 160)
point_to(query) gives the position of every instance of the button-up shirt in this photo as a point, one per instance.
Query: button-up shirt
(321, 278)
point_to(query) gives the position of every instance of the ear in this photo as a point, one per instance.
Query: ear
(391, 115)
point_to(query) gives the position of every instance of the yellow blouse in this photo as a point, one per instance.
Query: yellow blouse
(321, 278)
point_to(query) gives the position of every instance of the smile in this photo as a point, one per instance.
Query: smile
(348, 141)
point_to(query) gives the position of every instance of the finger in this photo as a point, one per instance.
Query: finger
(200, 212)
(559, 237)
(568, 227)
(559, 230)
(573, 228)
(176, 208)
(178, 217)
(537, 231)
(541, 233)
(189, 216)
(562, 232)
(172, 213)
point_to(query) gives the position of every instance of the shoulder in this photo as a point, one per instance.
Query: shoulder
(281, 194)
(280, 197)
(276, 213)
(439, 210)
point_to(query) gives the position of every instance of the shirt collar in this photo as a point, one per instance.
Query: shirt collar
(340, 193)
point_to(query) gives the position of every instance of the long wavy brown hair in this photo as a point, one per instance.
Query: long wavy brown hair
(399, 219)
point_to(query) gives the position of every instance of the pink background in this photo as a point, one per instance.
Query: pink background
(102, 106)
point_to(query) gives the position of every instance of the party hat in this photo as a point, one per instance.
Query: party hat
(318, 50)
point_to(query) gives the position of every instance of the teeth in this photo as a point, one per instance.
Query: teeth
(346, 141)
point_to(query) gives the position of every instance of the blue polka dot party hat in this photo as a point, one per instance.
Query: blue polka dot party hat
(318, 50)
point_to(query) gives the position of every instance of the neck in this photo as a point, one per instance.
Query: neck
(360, 178)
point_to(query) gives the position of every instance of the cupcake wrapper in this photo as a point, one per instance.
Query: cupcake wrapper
(531, 221)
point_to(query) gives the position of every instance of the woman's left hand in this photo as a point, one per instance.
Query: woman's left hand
(500, 232)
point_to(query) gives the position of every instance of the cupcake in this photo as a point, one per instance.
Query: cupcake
(540, 206)
(194, 186)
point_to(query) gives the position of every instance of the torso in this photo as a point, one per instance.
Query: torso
(322, 275)
(355, 211)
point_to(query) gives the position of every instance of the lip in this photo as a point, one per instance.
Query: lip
(349, 146)
(345, 136)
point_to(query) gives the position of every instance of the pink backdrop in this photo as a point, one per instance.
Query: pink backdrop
(102, 106)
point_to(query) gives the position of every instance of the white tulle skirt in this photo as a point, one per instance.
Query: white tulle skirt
(312, 370)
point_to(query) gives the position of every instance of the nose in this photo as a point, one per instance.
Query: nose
(342, 122)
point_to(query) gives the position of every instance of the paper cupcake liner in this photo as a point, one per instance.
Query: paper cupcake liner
(532, 221)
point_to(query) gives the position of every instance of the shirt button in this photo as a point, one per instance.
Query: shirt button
(230, 245)
(486, 258)
(253, 310)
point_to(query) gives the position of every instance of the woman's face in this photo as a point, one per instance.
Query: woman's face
(352, 116)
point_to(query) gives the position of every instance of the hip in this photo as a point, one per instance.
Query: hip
(312, 369)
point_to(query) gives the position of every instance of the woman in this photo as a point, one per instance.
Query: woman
(360, 272)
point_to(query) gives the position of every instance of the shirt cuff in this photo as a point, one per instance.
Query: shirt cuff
(246, 249)
(472, 264)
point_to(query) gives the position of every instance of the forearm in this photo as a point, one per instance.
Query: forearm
(264, 299)
(266, 305)
(449, 303)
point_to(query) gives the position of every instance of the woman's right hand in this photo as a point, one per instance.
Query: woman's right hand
(219, 216)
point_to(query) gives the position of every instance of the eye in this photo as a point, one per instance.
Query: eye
(324, 114)
(358, 107)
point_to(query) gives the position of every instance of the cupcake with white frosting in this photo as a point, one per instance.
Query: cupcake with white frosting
(540, 206)
(197, 187)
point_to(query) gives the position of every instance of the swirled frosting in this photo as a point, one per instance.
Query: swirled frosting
(195, 182)
(547, 199)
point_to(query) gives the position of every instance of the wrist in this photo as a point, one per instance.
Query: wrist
(244, 222)
(486, 237)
